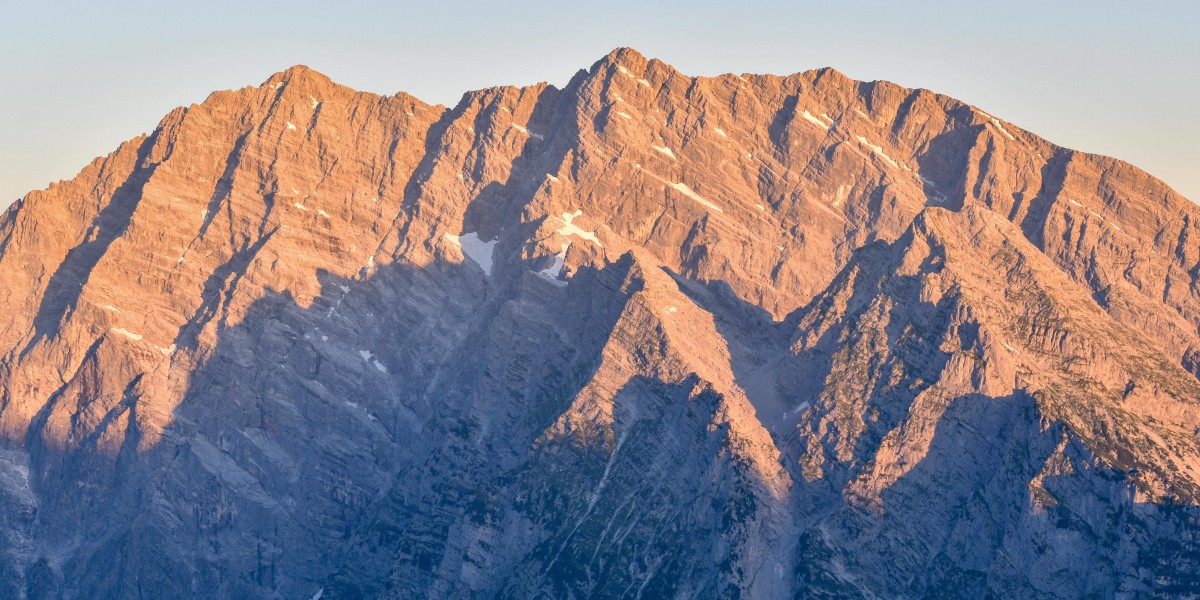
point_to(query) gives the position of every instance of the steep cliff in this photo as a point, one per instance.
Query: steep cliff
(648, 335)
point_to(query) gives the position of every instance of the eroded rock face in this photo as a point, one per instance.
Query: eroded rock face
(647, 335)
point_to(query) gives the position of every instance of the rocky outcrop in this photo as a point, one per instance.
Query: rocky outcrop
(645, 335)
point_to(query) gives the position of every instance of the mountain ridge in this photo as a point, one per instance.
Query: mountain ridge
(307, 340)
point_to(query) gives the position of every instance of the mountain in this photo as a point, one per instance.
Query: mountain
(648, 335)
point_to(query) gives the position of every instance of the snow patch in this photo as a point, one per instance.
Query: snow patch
(315, 102)
(300, 206)
(569, 228)
(555, 269)
(936, 198)
(366, 355)
(290, 126)
(322, 213)
(624, 114)
(799, 407)
(1075, 202)
(720, 132)
(687, 191)
(664, 150)
(815, 121)
(527, 132)
(760, 207)
(355, 405)
(110, 307)
(671, 309)
(842, 194)
(379, 366)
(826, 117)
(475, 249)
(644, 82)
(996, 122)
(878, 150)
(129, 334)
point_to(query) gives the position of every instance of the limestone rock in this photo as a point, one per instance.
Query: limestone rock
(646, 335)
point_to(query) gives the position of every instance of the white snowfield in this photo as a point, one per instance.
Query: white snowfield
(815, 121)
(555, 269)
(525, 131)
(569, 228)
(475, 249)
(687, 191)
(999, 126)
(129, 334)
(878, 150)
(665, 150)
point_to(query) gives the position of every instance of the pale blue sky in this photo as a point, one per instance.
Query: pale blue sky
(1117, 78)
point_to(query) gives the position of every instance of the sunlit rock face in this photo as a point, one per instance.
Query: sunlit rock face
(648, 335)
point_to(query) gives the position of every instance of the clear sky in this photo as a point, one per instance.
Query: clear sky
(1117, 78)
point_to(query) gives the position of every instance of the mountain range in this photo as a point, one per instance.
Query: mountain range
(646, 335)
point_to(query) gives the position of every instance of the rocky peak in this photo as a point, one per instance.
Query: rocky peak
(299, 75)
(621, 56)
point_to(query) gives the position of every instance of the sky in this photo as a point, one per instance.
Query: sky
(1115, 78)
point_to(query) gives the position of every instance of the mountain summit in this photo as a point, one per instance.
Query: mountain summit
(648, 335)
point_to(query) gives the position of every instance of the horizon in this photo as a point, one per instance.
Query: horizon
(1061, 90)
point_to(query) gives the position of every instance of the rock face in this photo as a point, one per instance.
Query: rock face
(648, 335)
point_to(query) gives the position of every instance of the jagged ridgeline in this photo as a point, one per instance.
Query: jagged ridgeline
(645, 336)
